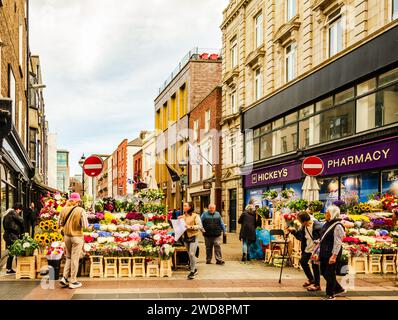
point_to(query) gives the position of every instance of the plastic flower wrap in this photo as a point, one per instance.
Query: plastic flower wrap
(55, 251)
(166, 251)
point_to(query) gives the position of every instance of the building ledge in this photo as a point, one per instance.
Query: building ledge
(229, 118)
(231, 76)
(253, 58)
(287, 30)
(324, 5)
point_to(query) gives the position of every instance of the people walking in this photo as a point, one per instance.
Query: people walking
(330, 251)
(13, 229)
(214, 228)
(72, 220)
(308, 234)
(29, 217)
(191, 235)
(249, 221)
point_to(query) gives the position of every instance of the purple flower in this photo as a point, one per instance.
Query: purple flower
(339, 203)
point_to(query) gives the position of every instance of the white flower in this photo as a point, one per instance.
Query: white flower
(55, 244)
(87, 247)
(26, 245)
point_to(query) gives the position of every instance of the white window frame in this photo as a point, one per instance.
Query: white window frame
(394, 9)
(258, 84)
(258, 29)
(234, 52)
(195, 130)
(207, 120)
(232, 148)
(291, 9)
(335, 26)
(233, 102)
(20, 44)
(13, 94)
(206, 150)
(195, 172)
(290, 61)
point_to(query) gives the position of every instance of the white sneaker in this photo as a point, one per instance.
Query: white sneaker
(64, 282)
(75, 285)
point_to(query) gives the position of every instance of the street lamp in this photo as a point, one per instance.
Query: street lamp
(81, 162)
(183, 164)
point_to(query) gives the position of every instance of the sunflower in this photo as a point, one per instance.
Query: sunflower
(42, 237)
(37, 237)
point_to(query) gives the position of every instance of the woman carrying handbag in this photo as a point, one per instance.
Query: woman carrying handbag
(191, 236)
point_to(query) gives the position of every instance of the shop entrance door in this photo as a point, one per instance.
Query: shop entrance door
(204, 203)
(232, 210)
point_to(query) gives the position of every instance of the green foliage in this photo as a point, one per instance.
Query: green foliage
(315, 206)
(152, 195)
(298, 205)
(263, 212)
(287, 193)
(23, 247)
(155, 208)
(270, 194)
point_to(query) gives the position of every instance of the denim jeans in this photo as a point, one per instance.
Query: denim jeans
(245, 247)
(191, 248)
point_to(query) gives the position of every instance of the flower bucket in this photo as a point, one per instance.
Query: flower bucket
(56, 265)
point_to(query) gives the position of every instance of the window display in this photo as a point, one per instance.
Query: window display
(389, 180)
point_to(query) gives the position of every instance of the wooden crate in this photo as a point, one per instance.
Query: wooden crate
(26, 267)
(124, 267)
(359, 264)
(138, 266)
(110, 267)
(96, 266)
(152, 269)
(165, 268)
(389, 263)
(375, 263)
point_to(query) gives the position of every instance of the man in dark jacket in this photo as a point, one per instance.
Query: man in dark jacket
(308, 234)
(13, 229)
(29, 218)
(214, 227)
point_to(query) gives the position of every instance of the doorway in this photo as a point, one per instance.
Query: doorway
(232, 210)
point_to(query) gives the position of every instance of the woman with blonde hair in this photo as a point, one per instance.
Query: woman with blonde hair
(73, 220)
(330, 250)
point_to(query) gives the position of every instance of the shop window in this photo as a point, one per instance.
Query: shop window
(324, 104)
(337, 122)
(282, 140)
(367, 113)
(388, 77)
(296, 187)
(389, 182)
(387, 101)
(309, 131)
(249, 146)
(291, 118)
(256, 149)
(277, 123)
(361, 185)
(329, 190)
(305, 112)
(266, 146)
(266, 128)
(344, 96)
(366, 86)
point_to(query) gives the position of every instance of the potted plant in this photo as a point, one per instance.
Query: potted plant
(287, 193)
(315, 206)
(270, 194)
(24, 249)
(264, 212)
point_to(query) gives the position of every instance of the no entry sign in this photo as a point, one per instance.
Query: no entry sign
(312, 166)
(93, 166)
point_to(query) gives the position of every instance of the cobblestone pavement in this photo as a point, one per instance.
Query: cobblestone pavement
(234, 280)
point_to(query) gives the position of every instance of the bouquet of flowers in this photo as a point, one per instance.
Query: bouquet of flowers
(160, 226)
(157, 218)
(162, 237)
(134, 216)
(23, 247)
(290, 218)
(390, 202)
(166, 251)
(54, 252)
(270, 194)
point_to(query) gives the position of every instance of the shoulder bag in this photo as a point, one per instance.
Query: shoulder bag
(315, 254)
(66, 220)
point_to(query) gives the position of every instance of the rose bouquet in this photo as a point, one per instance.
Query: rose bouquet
(54, 252)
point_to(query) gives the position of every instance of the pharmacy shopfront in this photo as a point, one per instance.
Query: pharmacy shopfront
(359, 170)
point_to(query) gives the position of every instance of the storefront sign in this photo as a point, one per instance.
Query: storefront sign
(273, 175)
(372, 156)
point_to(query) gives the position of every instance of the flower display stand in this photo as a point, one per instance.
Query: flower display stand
(138, 266)
(26, 267)
(41, 263)
(375, 263)
(125, 267)
(110, 267)
(96, 266)
(360, 264)
(389, 263)
(165, 268)
(152, 269)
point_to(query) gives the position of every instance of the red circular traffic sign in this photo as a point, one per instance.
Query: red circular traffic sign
(93, 166)
(312, 166)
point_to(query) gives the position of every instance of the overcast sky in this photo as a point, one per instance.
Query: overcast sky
(103, 62)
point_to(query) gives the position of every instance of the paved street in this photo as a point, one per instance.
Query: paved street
(234, 280)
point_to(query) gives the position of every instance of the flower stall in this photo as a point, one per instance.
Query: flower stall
(129, 233)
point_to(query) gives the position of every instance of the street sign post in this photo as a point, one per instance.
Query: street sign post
(312, 166)
(93, 167)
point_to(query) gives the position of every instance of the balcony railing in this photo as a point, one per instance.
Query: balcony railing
(194, 54)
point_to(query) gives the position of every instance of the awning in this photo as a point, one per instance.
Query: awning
(44, 187)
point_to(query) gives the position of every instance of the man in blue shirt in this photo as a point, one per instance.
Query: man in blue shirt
(214, 227)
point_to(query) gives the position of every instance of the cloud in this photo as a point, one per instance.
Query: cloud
(103, 61)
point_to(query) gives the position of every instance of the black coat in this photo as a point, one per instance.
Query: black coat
(13, 226)
(249, 223)
(29, 215)
(300, 234)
